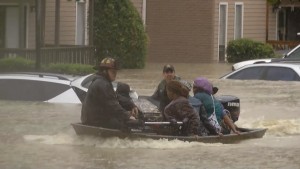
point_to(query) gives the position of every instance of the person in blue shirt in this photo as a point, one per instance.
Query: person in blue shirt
(203, 91)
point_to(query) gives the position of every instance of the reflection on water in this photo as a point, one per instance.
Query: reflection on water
(39, 135)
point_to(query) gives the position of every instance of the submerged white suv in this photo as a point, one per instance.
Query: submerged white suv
(291, 56)
(32, 86)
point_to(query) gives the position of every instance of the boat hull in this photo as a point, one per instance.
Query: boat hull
(81, 129)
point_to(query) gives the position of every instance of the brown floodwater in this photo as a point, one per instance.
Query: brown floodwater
(38, 135)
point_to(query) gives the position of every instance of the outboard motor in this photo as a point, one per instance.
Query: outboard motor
(232, 104)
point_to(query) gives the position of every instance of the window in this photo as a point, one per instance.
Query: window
(252, 73)
(295, 53)
(238, 21)
(80, 23)
(281, 73)
(222, 30)
(30, 90)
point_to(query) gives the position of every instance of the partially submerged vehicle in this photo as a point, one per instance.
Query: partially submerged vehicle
(293, 56)
(37, 86)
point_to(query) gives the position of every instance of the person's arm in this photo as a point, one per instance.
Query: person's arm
(157, 94)
(229, 123)
(111, 101)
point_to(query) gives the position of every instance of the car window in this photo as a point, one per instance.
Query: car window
(248, 73)
(30, 90)
(87, 81)
(281, 73)
(294, 54)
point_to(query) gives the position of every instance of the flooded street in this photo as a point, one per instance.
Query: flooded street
(39, 135)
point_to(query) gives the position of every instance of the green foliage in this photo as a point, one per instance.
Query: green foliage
(74, 69)
(245, 49)
(274, 2)
(16, 64)
(119, 33)
(22, 65)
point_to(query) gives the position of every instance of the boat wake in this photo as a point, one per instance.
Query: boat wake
(284, 127)
(113, 142)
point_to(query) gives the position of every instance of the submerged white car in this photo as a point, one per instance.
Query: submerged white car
(32, 86)
(267, 71)
(46, 87)
(291, 56)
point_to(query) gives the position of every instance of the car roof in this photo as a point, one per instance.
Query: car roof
(293, 65)
(36, 75)
(282, 64)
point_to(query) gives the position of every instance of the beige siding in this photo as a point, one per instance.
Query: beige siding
(50, 22)
(254, 21)
(67, 22)
(180, 31)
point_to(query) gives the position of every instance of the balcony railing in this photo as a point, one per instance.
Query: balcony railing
(283, 45)
(72, 55)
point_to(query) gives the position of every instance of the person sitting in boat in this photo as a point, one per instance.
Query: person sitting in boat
(125, 100)
(203, 90)
(101, 106)
(160, 93)
(199, 107)
(179, 109)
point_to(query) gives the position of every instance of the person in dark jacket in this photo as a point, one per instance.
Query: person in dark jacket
(125, 100)
(160, 93)
(199, 107)
(179, 109)
(101, 106)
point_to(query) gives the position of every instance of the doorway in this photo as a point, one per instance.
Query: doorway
(289, 24)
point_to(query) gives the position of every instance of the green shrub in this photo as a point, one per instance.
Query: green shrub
(119, 32)
(16, 64)
(22, 65)
(245, 49)
(74, 69)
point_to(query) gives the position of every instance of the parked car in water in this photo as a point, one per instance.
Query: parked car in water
(267, 71)
(292, 56)
(46, 87)
(31, 86)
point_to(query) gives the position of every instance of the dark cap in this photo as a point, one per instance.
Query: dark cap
(168, 68)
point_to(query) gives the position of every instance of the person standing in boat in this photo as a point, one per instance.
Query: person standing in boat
(160, 93)
(101, 106)
(179, 109)
(203, 91)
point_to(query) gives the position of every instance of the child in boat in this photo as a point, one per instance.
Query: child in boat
(124, 99)
(179, 109)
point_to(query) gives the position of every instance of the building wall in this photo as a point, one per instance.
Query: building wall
(67, 22)
(254, 21)
(180, 31)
